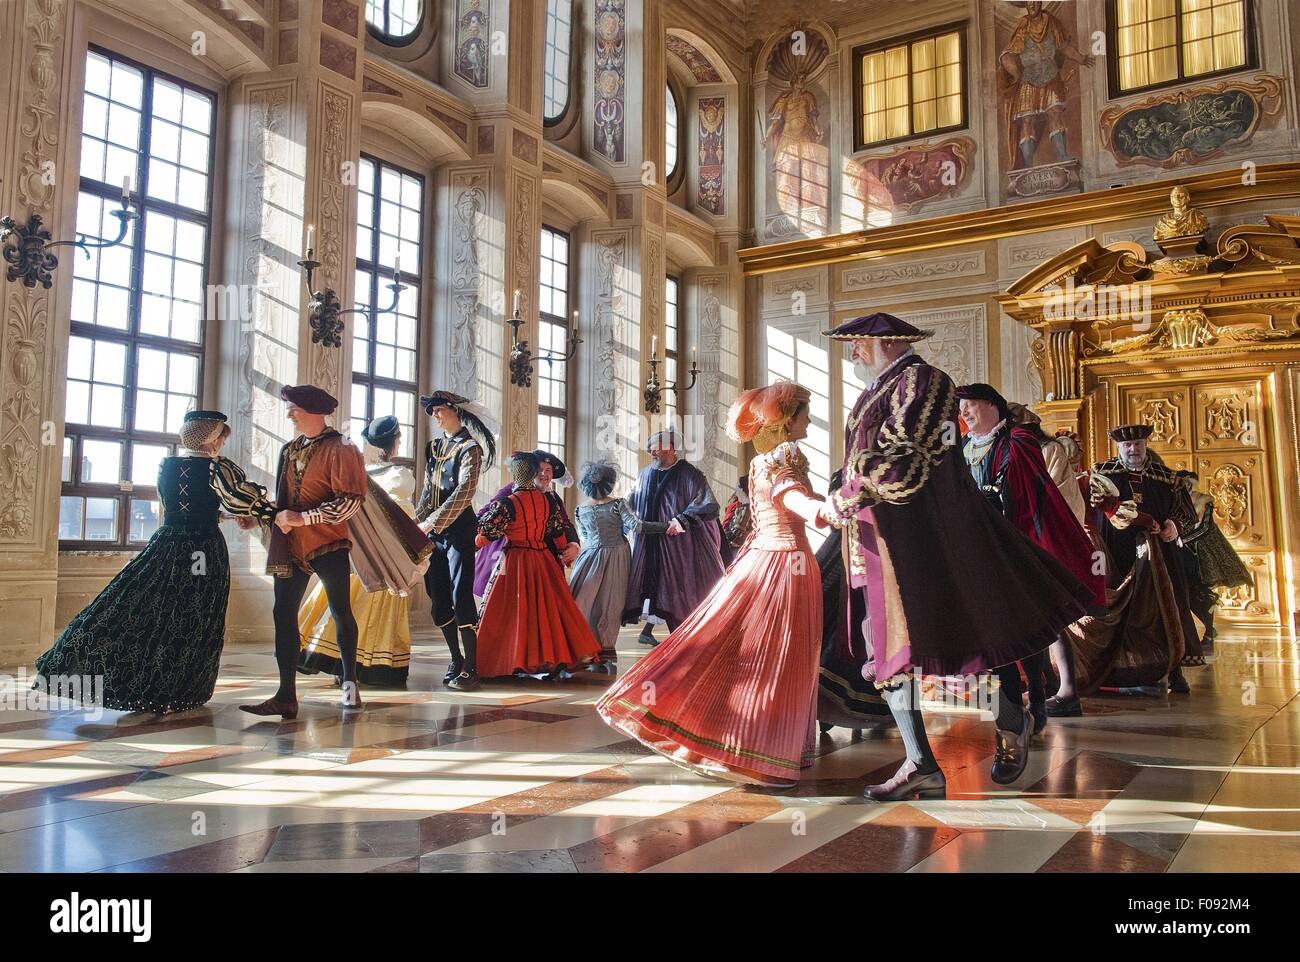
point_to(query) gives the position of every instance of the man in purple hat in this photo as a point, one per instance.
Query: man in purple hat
(320, 484)
(937, 577)
(1140, 508)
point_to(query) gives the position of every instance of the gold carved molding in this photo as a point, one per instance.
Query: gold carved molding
(1272, 182)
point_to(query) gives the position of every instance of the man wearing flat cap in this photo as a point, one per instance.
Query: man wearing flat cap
(1140, 508)
(552, 469)
(673, 572)
(320, 484)
(452, 464)
(936, 576)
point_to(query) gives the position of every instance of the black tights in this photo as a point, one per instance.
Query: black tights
(334, 571)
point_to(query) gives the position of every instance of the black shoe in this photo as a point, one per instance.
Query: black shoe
(1058, 707)
(1178, 685)
(1011, 757)
(465, 681)
(649, 640)
(452, 671)
(907, 783)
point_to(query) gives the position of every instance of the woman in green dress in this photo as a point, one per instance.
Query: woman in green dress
(155, 634)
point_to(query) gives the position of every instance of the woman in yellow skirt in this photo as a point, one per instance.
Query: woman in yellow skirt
(383, 629)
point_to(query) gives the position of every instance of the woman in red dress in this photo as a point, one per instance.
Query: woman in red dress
(733, 691)
(530, 623)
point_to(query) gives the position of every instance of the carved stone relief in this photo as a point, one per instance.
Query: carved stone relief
(959, 346)
(468, 189)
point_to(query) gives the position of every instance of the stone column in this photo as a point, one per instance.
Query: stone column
(39, 74)
(295, 142)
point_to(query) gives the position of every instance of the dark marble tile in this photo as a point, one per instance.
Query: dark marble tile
(296, 843)
(875, 848)
(222, 855)
(649, 842)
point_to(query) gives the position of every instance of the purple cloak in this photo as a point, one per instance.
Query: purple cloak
(675, 572)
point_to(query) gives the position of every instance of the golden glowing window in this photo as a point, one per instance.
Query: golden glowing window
(1159, 42)
(910, 87)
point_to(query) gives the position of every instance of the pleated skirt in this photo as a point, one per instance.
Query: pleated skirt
(732, 692)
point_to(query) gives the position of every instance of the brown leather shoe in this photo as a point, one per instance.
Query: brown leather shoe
(285, 709)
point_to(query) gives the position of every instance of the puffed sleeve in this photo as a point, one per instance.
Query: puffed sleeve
(788, 469)
(494, 518)
(239, 495)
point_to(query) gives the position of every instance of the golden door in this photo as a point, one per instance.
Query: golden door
(1219, 424)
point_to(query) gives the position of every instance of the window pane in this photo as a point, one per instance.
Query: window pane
(71, 513)
(66, 472)
(144, 520)
(555, 83)
(670, 133)
(101, 461)
(101, 519)
(145, 461)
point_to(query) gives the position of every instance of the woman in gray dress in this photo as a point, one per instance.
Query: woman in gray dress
(599, 575)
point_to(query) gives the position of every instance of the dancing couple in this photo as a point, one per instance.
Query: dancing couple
(939, 582)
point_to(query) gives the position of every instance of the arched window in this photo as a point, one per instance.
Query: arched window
(559, 45)
(394, 21)
(671, 146)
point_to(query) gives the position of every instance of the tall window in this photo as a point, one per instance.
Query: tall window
(1160, 42)
(385, 347)
(670, 133)
(559, 42)
(552, 323)
(671, 331)
(908, 87)
(394, 21)
(135, 349)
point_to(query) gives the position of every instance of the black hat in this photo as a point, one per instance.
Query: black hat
(1131, 432)
(598, 479)
(204, 416)
(881, 326)
(310, 398)
(381, 431)
(980, 391)
(441, 399)
(557, 466)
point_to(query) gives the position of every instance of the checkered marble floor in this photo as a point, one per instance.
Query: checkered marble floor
(524, 777)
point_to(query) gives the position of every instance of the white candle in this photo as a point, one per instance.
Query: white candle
(397, 265)
(311, 238)
(695, 356)
(654, 345)
(575, 322)
(517, 300)
(126, 190)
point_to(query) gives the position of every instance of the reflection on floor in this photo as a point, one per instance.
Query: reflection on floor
(523, 777)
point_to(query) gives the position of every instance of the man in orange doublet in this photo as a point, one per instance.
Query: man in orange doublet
(320, 484)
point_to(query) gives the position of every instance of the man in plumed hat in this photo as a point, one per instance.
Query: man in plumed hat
(320, 484)
(452, 465)
(936, 575)
(673, 572)
(1140, 508)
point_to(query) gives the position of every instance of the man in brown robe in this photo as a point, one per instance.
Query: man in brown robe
(939, 581)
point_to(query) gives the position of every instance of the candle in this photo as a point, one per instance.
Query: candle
(126, 190)
(517, 299)
(575, 322)
(397, 266)
(695, 357)
(654, 345)
(311, 239)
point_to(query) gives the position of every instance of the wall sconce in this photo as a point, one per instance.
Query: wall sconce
(325, 312)
(29, 258)
(521, 358)
(654, 390)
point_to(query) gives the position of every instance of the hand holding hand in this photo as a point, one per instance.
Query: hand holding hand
(247, 523)
(1170, 531)
(675, 527)
(570, 554)
(287, 519)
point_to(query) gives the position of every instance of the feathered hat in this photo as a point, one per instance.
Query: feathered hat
(480, 423)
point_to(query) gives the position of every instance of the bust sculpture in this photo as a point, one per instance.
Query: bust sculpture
(1183, 221)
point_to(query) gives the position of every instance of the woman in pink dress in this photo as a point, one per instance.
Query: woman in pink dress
(733, 691)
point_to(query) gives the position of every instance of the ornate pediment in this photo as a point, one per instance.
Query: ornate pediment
(1092, 301)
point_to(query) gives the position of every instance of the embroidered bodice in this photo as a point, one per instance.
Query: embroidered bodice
(771, 475)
